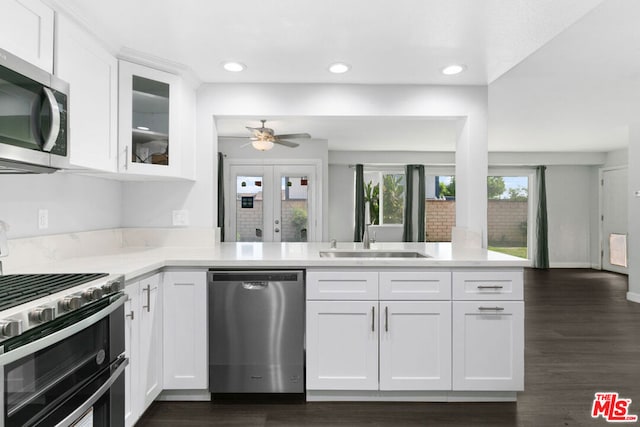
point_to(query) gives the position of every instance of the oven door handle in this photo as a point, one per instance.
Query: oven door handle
(73, 417)
(33, 347)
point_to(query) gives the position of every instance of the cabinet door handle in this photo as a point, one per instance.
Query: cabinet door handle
(130, 315)
(148, 306)
(373, 318)
(386, 319)
(490, 286)
(126, 157)
(491, 308)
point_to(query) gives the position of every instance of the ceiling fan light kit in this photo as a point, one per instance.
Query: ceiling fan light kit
(262, 144)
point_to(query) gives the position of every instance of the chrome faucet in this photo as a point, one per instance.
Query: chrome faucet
(366, 243)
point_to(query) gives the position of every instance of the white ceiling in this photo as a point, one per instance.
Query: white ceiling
(554, 67)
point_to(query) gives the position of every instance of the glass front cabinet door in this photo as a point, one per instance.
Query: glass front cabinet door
(149, 124)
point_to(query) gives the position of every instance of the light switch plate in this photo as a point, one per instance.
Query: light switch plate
(43, 219)
(181, 218)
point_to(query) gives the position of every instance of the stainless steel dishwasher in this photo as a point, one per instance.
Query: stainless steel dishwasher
(256, 331)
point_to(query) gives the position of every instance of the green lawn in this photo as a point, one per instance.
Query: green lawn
(515, 251)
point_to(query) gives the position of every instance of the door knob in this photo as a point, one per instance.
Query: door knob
(277, 221)
(277, 230)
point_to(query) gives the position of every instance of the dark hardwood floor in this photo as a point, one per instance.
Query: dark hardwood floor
(582, 336)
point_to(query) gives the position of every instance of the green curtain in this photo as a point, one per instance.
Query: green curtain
(408, 220)
(407, 226)
(541, 258)
(221, 195)
(358, 230)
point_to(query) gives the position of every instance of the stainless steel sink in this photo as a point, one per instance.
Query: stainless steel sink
(371, 254)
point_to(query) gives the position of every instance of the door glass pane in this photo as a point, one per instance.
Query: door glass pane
(249, 213)
(150, 139)
(294, 208)
(507, 214)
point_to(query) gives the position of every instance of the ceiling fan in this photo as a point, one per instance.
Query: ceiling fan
(263, 138)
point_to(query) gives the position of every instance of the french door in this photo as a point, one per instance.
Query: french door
(272, 203)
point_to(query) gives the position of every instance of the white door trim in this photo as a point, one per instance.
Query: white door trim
(601, 236)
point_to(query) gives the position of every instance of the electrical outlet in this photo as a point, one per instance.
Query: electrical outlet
(43, 219)
(181, 218)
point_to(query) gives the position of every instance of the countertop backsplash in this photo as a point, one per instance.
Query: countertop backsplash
(39, 250)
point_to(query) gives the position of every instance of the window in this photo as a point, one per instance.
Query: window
(508, 213)
(440, 209)
(386, 205)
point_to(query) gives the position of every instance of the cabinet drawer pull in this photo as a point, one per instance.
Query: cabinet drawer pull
(490, 286)
(491, 308)
(148, 290)
(130, 315)
(373, 318)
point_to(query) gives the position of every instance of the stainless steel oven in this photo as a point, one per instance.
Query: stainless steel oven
(68, 370)
(33, 118)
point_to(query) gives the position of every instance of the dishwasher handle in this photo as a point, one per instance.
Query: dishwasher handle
(255, 285)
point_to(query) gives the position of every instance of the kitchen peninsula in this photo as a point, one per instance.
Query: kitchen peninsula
(445, 327)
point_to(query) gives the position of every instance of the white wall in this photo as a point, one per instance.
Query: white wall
(634, 213)
(617, 158)
(341, 203)
(75, 203)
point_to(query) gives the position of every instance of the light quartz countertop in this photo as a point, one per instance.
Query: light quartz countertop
(133, 262)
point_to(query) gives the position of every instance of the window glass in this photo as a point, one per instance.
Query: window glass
(440, 207)
(507, 214)
(384, 191)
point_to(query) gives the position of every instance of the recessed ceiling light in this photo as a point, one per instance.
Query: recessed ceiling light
(142, 127)
(339, 68)
(234, 67)
(453, 69)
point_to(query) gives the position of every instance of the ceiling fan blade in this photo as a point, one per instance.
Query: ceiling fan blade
(294, 136)
(289, 144)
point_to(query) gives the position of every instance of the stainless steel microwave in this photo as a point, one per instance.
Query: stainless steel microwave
(33, 118)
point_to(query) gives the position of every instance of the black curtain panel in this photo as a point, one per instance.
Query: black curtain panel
(541, 258)
(358, 230)
(410, 196)
(407, 226)
(221, 195)
(421, 204)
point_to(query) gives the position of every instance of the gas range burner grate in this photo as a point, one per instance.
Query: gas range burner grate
(16, 289)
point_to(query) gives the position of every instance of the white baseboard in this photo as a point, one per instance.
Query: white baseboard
(633, 296)
(410, 396)
(185, 395)
(570, 265)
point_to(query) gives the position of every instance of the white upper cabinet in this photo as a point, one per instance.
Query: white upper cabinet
(26, 30)
(92, 74)
(155, 123)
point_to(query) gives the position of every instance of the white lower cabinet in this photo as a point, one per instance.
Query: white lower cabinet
(415, 345)
(488, 345)
(371, 345)
(143, 346)
(342, 345)
(185, 330)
